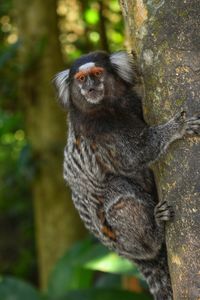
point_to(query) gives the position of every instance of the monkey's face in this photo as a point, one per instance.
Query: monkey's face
(96, 80)
(89, 80)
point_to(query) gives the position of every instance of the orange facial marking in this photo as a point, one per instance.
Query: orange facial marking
(80, 75)
(96, 71)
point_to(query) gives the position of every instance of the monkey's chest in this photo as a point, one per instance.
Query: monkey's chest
(81, 168)
(92, 189)
(87, 182)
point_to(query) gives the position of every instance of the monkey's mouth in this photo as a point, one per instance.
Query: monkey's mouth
(94, 96)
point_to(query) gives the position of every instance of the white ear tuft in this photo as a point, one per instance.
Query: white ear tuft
(123, 63)
(62, 86)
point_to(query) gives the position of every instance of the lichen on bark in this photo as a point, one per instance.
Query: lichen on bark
(167, 44)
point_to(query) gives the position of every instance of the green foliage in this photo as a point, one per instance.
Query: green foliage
(95, 256)
(13, 289)
(17, 255)
(73, 279)
(95, 25)
(105, 294)
(77, 269)
(91, 16)
(88, 270)
(83, 259)
(17, 170)
(16, 173)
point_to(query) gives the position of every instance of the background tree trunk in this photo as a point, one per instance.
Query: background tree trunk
(57, 224)
(166, 38)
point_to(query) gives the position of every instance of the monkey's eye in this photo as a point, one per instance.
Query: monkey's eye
(80, 76)
(98, 73)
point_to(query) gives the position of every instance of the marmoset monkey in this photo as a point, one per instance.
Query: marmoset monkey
(107, 161)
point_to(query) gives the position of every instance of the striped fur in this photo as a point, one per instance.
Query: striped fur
(106, 162)
(91, 193)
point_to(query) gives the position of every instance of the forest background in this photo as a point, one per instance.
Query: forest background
(45, 252)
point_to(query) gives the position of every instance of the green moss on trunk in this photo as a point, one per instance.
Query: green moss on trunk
(168, 46)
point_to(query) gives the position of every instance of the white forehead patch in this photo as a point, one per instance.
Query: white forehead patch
(86, 66)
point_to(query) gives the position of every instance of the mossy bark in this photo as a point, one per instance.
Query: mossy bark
(57, 224)
(166, 37)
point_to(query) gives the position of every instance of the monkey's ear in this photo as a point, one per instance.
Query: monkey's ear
(62, 86)
(124, 64)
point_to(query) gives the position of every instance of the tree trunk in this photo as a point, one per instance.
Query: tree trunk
(166, 38)
(57, 224)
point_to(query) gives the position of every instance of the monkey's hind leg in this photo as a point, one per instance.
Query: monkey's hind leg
(156, 273)
(139, 232)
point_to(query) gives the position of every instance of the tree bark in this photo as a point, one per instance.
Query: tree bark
(57, 224)
(166, 38)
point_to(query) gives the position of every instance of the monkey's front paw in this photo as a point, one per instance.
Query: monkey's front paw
(187, 125)
(193, 125)
(163, 212)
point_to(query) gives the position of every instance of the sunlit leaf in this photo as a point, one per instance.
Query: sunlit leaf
(91, 16)
(112, 263)
(114, 5)
(94, 36)
(72, 55)
(97, 257)
(116, 37)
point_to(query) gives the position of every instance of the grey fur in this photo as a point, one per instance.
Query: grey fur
(123, 63)
(62, 86)
(106, 164)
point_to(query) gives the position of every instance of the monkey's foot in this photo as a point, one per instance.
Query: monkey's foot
(193, 125)
(186, 125)
(163, 212)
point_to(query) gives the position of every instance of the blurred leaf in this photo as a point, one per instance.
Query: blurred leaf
(9, 122)
(94, 36)
(108, 280)
(5, 6)
(14, 289)
(95, 256)
(74, 54)
(8, 54)
(74, 269)
(112, 263)
(114, 5)
(105, 294)
(116, 37)
(67, 277)
(91, 16)
(68, 273)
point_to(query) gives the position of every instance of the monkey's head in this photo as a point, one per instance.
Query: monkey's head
(96, 79)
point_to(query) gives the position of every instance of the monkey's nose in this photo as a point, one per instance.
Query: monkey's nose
(91, 92)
